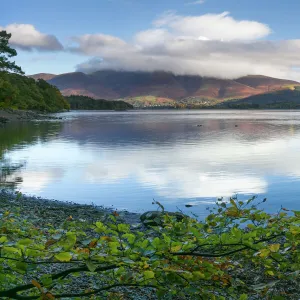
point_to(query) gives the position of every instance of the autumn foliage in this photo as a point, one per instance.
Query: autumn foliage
(238, 252)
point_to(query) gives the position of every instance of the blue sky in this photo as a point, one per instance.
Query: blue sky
(125, 18)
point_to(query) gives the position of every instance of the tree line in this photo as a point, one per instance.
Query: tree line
(20, 92)
(88, 103)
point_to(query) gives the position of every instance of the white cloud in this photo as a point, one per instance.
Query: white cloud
(213, 26)
(36, 181)
(27, 37)
(215, 45)
(92, 43)
(196, 2)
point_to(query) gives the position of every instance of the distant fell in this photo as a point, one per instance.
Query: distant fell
(139, 86)
(289, 98)
(44, 76)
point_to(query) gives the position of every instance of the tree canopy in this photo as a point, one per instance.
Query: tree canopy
(7, 52)
(21, 92)
(87, 103)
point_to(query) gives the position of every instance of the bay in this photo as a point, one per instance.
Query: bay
(126, 159)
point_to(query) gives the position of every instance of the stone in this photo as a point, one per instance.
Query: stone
(155, 218)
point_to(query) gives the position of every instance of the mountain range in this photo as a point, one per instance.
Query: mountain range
(162, 88)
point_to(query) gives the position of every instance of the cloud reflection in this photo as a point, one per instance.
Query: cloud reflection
(177, 161)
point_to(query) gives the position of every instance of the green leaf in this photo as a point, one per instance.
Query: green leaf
(46, 280)
(69, 241)
(25, 242)
(198, 275)
(156, 242)
(130, 237)
(243, 297)
(12, 250)
(91, 266)
(123, 227)
(63, 256)
(21, 266)
(100, 226)
(149, 274)
(3, 239)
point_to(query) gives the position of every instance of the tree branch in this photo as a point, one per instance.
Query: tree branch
(12, 293)
(94, 292)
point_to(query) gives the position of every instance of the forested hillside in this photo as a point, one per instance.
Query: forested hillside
(87, 103)
(279, 99)
(20, 92)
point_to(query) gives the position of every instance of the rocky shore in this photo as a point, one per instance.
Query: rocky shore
(11, 115)
(43, 212)
(54, 211)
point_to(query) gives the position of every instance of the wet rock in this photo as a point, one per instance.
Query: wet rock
(3, 120)
(155, 218)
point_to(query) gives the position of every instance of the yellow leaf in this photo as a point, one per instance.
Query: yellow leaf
(48, 296)
(50, 243)
(176, 248)
(106, 238)
(198, 274)
(264, 253)
(274, 247)
(36, 284)
(232, 212)
(295, 230)
(271, 273)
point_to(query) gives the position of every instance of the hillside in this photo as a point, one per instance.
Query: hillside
(21, 92)
(279, 99)
(44, 76)
(87, 103)
(137, 87)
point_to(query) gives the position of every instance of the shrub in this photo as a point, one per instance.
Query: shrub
(238, 252)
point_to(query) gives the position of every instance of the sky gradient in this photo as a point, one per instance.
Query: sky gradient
(181, 36)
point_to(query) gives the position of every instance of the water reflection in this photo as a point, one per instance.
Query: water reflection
(126, 159)
(19, 136)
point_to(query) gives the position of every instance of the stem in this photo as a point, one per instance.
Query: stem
(12, 293)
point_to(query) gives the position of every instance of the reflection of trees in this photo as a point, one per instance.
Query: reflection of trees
(7, 170)
(19, 135)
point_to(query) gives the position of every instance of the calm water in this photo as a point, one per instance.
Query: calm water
(126, 159)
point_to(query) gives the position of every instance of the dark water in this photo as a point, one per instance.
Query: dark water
(127, 159)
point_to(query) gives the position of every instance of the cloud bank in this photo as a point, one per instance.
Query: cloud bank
(28, 38)
(215, 45)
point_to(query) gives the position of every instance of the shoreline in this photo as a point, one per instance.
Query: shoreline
(16, 115)
(57, 211)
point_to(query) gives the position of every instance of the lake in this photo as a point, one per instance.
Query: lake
(127, 159)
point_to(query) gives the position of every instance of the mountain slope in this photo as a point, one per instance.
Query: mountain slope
(44, 76)
(108, 84)
(266, 84)
(287, 98)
